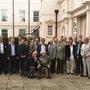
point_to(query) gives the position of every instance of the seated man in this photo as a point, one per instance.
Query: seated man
(32, 64)
(44, 61)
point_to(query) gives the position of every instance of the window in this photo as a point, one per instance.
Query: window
(4, 16)
(22, 15)
(4, 33)
(50, 30)
(36, 16)
(22, 32)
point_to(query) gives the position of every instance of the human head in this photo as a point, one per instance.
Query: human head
(23, 40)
(34, 54)
(86, 40)
(42, 40)
(12, 40)
(70, 40)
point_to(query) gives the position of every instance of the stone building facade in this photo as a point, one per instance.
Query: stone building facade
(20, 16)
(73, 17)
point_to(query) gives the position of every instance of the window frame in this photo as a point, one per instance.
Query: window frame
(4, 15)
(36, 18)
(22, 15)
(22, 33)
(50, 30)
(3, 33)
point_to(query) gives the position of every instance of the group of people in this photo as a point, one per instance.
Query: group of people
(60, 55)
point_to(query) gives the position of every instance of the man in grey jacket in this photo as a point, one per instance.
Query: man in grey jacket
(60, 56)
(52, 55)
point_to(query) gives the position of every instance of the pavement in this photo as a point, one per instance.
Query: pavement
(58, 82)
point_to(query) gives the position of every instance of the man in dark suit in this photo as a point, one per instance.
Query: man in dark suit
(78, 60)
(22, 53)
(70, 56)
(12, 56)
(3, 57)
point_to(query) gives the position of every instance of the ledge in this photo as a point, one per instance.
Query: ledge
(60, 1)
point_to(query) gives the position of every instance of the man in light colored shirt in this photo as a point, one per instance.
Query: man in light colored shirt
(43, 46)
(12, 50)
(70, 56)
(85, 52)
(71, 52)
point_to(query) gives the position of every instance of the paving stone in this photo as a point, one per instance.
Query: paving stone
(33, 87)
(58, 82)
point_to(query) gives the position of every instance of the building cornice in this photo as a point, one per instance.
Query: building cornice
(50, 21)
(11, 25)
(64, 19)
(77, 9)
(60, 1)
(82, 7)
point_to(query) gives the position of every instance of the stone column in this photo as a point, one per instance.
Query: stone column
(88, 23)
(70, 26)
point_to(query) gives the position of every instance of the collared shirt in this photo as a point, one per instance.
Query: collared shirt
(71, 52)
(12, 50)
(78, 49)
(43, 48)
(1, 48)
(35, 47)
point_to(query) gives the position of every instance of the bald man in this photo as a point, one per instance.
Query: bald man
(32, 64)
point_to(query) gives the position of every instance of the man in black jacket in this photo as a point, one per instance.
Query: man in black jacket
(12, 56)
(70, 56)
(3, 57)
(22, 53)
(78, 60)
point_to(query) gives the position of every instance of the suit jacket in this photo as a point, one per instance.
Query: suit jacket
(68, 53)
(61, 51)
(55, 50)
(9, 50)
(31, 61)
(23, 50)
(31, 48)
(78, 53)
(52, 51)
(39, 48)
